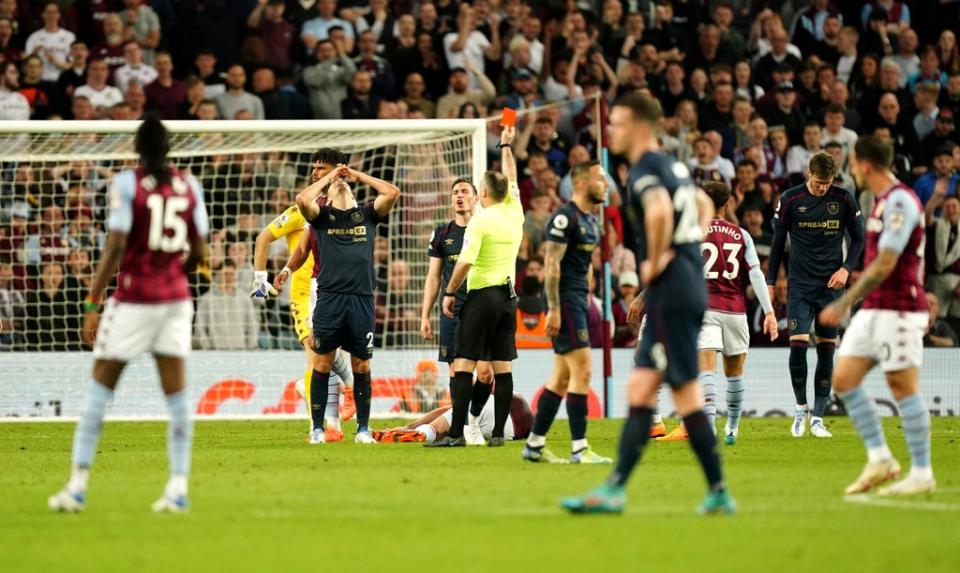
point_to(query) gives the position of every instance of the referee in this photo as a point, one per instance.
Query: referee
(488, 320)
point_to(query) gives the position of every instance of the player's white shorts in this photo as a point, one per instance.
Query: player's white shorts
(893, 338)
(486, 421)
(724, 332)
(128, 330)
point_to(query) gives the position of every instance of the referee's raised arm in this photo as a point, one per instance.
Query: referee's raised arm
(488, 321)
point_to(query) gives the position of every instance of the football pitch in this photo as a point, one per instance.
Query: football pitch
(263, 500)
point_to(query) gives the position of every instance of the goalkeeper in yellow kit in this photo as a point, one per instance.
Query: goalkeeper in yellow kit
(289, 225)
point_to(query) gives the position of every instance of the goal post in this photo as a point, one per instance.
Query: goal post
(53, 204)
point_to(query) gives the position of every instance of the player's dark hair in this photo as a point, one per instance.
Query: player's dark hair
(152, 145)
(643, 108)
(496, 185)
(460, 180)
(718, 193)
(582, 169)
(823, 165)
(329, 155)
(871, 149)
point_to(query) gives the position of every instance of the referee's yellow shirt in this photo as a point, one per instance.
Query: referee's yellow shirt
(288, 225)
(492, 241)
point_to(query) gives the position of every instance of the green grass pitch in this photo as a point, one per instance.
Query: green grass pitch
(263, 500)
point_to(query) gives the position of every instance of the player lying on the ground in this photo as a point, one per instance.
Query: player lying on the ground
(293, 227)
(668, 213)
(888, 329)
(156, 215)
(344, 314)
(815, 215)
(435, 425)
(446, 242)
(572, 235)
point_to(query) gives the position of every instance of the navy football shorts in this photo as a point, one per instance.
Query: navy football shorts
(804, 303)
(344, 321)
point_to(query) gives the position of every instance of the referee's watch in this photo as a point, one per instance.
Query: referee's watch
(446, 294)
(502, 145)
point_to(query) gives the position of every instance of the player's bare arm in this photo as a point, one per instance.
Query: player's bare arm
(875, 273)
(658, 222)
(296, 260)
(636, 307)
(456, 279)
(554, 254)
(106, 268)
(307, 199)
(508, 165)
(431, 289)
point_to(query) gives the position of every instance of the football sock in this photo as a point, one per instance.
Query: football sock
(735, 389)
(704, 444)
(863, 414)
(481, 393)
(547, 406)
(798, 370)
(823, 377)
(915, 420)
(428, 431)
(87, 433)
(179, 433)
(636, 432)
(657, 418)
(708, 381)
(362, 396)
(307, 377)
(460, 393)
(577, 416)
(319, 381)
(341, 367)
(333, 398)
(502, 396)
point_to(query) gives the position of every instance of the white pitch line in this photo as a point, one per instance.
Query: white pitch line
(865, 499)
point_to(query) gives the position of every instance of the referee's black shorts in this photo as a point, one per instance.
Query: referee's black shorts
(488, 325)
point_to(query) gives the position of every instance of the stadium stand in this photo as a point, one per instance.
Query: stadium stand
(743, 84)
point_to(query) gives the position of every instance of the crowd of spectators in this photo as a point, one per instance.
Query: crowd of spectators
(750, 90)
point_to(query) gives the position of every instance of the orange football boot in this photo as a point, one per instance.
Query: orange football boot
(678, 434)
(332, 434)
(399, 436)
(658, 430)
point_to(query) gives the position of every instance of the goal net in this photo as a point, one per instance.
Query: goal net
(53, 205)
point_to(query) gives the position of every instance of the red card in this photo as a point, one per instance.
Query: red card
(509, 118)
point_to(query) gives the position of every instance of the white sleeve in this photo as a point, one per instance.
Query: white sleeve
(200, 220)
(122, 191)
(757, 279)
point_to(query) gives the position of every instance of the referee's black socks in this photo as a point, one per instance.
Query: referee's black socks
(481, 393)
(318, 397)
(461, 390)
(502, 395)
